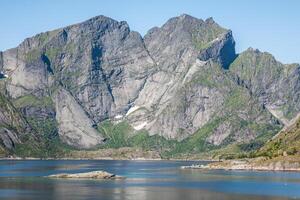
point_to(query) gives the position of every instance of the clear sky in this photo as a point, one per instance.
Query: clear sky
(269, 25)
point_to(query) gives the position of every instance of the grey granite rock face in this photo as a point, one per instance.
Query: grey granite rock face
(181, 49)
(220, 134)
(220, 50)
(26, 76)
(13, 127)
(100, 62)
(277, 86)
(173, 82)
(9, 138)
(75, 127)
(1, 60)
(117, 68)
(182, 39)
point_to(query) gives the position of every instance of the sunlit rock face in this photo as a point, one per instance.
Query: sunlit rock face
(180, 80)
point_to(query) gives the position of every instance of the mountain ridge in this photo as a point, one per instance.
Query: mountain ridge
(182, 81)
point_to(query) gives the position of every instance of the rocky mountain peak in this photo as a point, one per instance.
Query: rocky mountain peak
(1, 60)
(171, 83)
(256, 56)
(100, 18)
(190, 23)
(185, 18)
(102, 22)
(210, 20)
(187, 35)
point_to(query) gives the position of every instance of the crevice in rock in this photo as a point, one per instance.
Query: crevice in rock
(1, 60)
(48, 63)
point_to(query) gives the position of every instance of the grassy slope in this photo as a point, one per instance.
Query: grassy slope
(204, 35)
(16, 123)
(258, 70)
(287, 142)
(280, 153)
(38, 136)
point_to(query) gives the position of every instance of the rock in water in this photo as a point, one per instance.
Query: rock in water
(87, 175)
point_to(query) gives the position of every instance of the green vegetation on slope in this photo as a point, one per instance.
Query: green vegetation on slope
(45, 128)
(31, 100)
(2, 152)
(123, 135)
(287, 142)
(203, 35)
(48, 145)
(252, 64)
(196, 143)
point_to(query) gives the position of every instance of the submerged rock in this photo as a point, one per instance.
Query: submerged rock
(87, 175)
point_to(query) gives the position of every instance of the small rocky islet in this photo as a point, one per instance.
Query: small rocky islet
(87, 175)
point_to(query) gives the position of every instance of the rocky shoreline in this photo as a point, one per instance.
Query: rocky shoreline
(105, 158)
(71, 158)
(257, 164)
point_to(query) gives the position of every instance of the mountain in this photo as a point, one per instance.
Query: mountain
(284, 144)
(180, 90)
(280, 153)
(14, 127)
(274, 84)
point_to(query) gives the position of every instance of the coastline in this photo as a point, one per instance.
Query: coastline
(256, 164)
(105, 158)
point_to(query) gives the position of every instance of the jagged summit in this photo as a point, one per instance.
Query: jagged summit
(185, 17)
(101, 19)
(257, 51)
(190, 21)
(95, 25)
(203, 39)
(80, 82)
(258, 54)
(210, 20)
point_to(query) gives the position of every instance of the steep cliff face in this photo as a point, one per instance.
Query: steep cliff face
(180, 50)
(75, 128)
(100, 62)
(1, 60)
(277, 86)
(14, 129)
(174, 82)
(182, 39)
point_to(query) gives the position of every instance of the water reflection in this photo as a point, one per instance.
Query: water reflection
(159, 180)
(90, 190)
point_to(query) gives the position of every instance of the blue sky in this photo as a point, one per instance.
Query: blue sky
(269, 25)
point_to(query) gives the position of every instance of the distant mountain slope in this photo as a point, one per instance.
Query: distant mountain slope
(181, 89)
(276, 86)
(287, 142)
(14, 129)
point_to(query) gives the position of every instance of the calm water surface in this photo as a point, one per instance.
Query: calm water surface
(157, 180)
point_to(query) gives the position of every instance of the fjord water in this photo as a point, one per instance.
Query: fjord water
(144, 180)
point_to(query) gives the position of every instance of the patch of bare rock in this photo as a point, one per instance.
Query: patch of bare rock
(87, 175)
